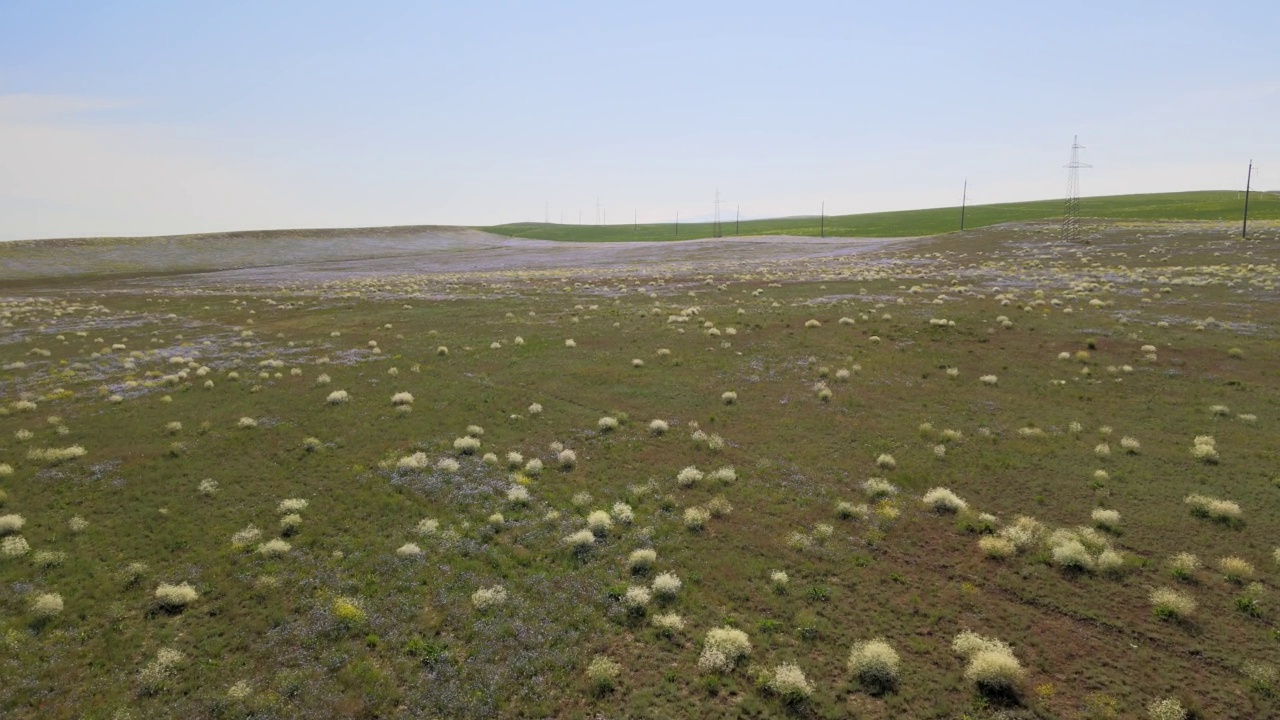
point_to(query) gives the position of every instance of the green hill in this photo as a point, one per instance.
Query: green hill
(1202, 205)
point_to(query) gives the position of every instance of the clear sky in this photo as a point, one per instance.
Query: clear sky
(164, 117)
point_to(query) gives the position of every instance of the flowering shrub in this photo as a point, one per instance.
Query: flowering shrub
(722, 648)
(175, 597)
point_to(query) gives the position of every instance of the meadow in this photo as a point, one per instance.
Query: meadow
(982, 475)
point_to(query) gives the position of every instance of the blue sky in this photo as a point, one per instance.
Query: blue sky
(161, 117)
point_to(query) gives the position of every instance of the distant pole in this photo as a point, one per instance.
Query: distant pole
(604, 217)
(822, 226)
(963, 197)
(677, 223)
(1248, 180)
(737, 215)
(597, 211)
(635, 221)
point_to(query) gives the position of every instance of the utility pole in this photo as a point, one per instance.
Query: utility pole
(822, 224)
(677, 223)
(597, 211)
(715, 228)
(737, 215)
(963, 197)
(1248, 180)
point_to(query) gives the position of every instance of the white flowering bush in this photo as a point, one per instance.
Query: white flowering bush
(666, 586)
(290, 524)
(942, 500)
(875, 663)
(1236, 569)
(642, 560)
(1224, 511)
(581, 541)
(409, 550)
(729, 397)
(886, 462)
(668, 624)
(402, 398)
(488, 598)
(603, 672)
(636, 599)
(416, 461)
(518, 495)
(567, 459)
(688, 476)
(722, 648)
(658, 427)
(245, 537)
(997, 548)
(175, 597)
(877, 488)
(1205, 448)
(155, 675)
(607, 424)
(991, 663)
(1171, 604)
(1106, 519)
(466, 445)
(599, 522)
(695, 518)
(723, 475)
(55, 456)
(11, 524)
(12, 546)
(789, 683)
(778, 579)
(1166, 709)
(622, 513)
(291, 505)
(46, 605)
(274, 548)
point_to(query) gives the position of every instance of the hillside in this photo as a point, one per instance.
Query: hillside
(1203, 205)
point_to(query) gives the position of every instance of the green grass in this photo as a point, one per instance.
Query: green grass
(1207, 205)
(418, 646)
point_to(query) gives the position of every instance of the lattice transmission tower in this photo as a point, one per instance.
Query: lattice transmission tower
(1071, 210)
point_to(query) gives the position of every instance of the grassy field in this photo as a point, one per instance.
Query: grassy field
(1224, 206)
(157, 437)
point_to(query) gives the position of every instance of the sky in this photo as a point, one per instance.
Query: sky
(143, 118)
